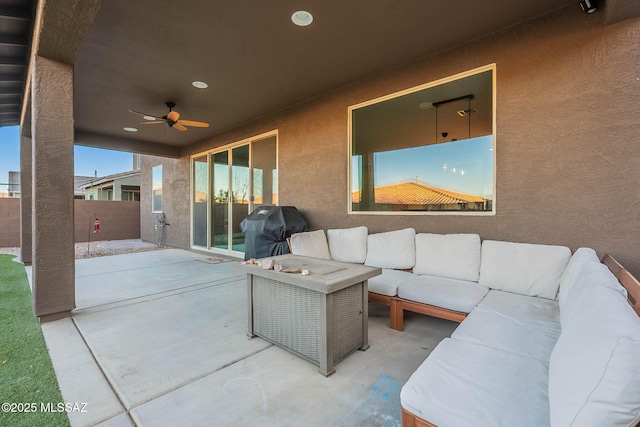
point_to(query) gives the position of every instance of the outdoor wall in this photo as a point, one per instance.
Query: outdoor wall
(118, 220)
(9, 222)
(175, 201)
(567, 143)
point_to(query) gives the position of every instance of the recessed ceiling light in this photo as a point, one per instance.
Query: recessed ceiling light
(302, 18)
(148, 118)
(131, 129)
(200, 85)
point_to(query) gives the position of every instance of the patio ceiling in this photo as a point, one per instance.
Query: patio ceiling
(16, 24)
(139, 54)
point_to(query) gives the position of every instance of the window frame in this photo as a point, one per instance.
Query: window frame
(350, 171)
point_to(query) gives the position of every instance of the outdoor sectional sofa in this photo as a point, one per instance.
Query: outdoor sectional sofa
(546, 337)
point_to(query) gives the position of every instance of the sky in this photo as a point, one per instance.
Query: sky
(464, 166)
(87, 161)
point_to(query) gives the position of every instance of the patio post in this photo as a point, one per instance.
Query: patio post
(25, 200)
(53, 260)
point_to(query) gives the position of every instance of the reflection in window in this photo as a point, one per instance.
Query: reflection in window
(156, 188)
(200, 200)
(427, 150)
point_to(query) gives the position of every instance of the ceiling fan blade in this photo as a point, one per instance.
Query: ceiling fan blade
(179, 127)
(173, 116)
(193, 123)
(145, 114)
(155, 122)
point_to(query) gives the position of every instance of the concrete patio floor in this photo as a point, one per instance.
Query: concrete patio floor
(159, 339)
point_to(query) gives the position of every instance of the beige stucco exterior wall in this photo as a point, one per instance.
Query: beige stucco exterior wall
(9, 222)
(567, 150)
(118, 220)
(175, 200)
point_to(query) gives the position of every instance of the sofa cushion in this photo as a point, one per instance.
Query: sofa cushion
(586, 275)
(310, 243)
(523, 268)
(387, 283)
(523, 307)
(452, 294)
(517, 334)
(348, 244)
(594, 371)
(466, 384)
(569, 275)
(456, 256)
(393, 249)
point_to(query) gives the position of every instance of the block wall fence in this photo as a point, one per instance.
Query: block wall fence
(118, 220)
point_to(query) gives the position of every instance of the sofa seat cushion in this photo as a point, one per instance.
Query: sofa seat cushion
(523, 268)
(594, 369)
(522, 335)
(466, 384)
(456, 256)
(452, 294)
(393, 249)
(348, 244)
(387, 283)
(522, 308)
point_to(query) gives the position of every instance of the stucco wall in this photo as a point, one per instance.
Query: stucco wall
(175, 201)
(567, 144)
(9, 222)
(118, 220)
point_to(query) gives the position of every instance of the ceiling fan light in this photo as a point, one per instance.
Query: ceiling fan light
(200, 85)
(128, 129)
(302, 18)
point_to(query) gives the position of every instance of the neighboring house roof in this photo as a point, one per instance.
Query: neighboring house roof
(415, 193)
(92, 182)
(77, 184)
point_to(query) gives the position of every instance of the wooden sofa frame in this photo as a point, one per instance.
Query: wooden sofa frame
(626, 279)
(397, 307)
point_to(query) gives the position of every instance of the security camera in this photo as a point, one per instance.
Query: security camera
(589, 6)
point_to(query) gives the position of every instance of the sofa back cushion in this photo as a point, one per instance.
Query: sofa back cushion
(456, 256)
(578, 259)
(523, 268)
(348, 244)
(393, 249)
(594, 370)
(586, 274)
(311, 243)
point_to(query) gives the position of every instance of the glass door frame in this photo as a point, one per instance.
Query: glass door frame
(209, 154)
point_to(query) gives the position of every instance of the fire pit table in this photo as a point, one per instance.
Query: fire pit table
(321, 317)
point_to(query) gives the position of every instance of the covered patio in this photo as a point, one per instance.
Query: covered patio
(160, 338)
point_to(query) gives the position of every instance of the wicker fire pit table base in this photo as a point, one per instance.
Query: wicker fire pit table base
(321, 317)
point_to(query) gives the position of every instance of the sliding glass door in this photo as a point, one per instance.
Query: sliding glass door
(227, 184)
(220, 200)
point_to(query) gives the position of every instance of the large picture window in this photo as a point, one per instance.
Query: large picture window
(429, 149)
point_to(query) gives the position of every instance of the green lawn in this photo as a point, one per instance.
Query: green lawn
(27, 380)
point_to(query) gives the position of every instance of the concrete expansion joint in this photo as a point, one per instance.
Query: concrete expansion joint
(137, 268)
(160, 295)
(102, 372)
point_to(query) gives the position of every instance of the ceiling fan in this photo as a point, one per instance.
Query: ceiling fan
(172, 119)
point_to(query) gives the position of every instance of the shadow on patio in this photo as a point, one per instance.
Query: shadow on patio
(159, 338)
